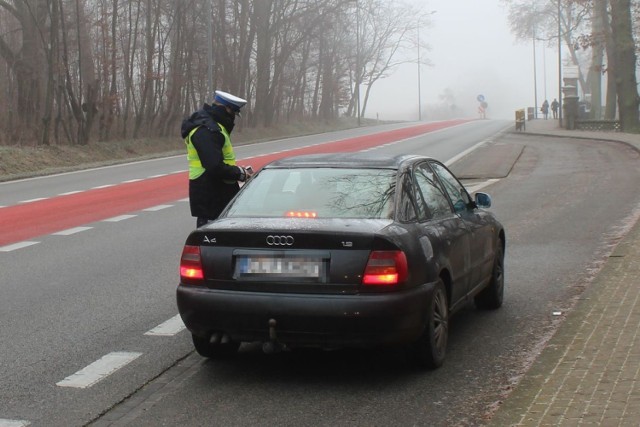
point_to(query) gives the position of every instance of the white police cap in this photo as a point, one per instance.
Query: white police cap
(230, 101)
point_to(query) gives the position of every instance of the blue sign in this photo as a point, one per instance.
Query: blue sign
(480, 98)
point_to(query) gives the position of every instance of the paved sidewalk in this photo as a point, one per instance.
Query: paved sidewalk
(589, 372)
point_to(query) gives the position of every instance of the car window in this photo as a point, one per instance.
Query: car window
(452, 186)
(407, 209)
(431, 200)
(323, 192)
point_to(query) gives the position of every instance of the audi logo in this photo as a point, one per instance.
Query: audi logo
(279, 240)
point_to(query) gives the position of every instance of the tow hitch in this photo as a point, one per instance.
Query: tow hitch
(272, 346)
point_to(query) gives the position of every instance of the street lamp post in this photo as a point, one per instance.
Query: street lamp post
(420, 66)
(535, 77)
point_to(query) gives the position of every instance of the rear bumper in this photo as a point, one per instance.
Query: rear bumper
(307, 319)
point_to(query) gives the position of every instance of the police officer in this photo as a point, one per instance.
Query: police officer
(213, 173)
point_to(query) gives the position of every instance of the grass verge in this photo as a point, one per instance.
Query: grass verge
(18, 162)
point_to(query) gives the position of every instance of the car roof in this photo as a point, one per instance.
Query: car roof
(346, 160)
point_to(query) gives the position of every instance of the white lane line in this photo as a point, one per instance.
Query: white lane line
(13, 423)
(103, 186)
(476, 187)
(33, 200)
(157, 176)
(99, 369)
(119, 218)
(157, 208)
(180, 171)
(132, 180)
(169, 328)
(68, 193)
(184, 200)
(17, 246)
(465, 152)
(71, 231)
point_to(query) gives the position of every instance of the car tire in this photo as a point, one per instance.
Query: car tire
(205, 348)
(490, 298)
(430, 349)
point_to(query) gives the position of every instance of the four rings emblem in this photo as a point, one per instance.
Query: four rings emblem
(280, 240)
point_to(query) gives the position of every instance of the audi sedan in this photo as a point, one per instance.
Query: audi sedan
(342, 250)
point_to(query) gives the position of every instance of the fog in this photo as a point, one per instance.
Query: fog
(472, 52)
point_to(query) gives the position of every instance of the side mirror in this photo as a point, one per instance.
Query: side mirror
(483, 200)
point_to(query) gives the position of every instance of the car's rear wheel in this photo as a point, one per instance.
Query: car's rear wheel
(430, 349)
(491, 297)
(206, 348)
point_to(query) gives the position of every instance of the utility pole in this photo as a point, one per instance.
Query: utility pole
(535, 77)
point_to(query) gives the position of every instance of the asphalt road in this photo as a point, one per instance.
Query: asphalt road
(98, 291)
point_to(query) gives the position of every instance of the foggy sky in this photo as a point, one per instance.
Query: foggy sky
(472, 52)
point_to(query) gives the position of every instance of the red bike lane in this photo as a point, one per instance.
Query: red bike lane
(26, 221)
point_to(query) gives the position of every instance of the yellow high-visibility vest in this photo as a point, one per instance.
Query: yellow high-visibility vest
(195, 165)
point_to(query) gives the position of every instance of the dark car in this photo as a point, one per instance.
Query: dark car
(342, 250)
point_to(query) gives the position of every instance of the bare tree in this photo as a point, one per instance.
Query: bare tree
(103, 69)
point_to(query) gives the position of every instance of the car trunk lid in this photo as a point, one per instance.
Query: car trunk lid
(288, 254)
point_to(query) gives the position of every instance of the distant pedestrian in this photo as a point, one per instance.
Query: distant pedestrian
(213, 173)
(545, 109)
(554, 107)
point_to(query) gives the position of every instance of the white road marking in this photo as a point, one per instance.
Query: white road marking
(121, 165)
(180, 171)
(99, 370)
(157, 208)
(169, 328)
(132, 180)
(68, 193)
(13, 423)
(33, 200)
(99, 187)
(184, 200)
(464, 153)
(477, 187)
(16, 246)
(119, 218)
(71, 231)
(157, 176)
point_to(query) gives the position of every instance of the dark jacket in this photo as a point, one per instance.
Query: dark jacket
(209, 194)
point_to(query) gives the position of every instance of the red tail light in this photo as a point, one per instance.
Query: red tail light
(385, 268)
(191, 264)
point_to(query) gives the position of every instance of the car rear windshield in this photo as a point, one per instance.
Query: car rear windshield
(317, 192)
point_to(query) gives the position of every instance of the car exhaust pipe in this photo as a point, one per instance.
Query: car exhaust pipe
(215, 338)
(272, 346)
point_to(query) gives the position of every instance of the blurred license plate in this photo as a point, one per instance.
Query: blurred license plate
(305, 267)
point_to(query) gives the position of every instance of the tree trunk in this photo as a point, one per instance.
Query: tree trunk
(626, 83)
(262, 18)
(594, 76)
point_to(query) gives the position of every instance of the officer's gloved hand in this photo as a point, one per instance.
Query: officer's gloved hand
(245, 173)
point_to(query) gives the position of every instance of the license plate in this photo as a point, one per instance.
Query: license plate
(279, 267)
